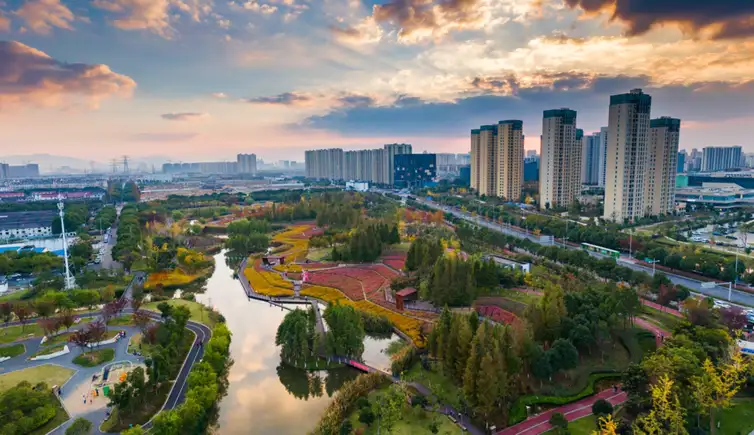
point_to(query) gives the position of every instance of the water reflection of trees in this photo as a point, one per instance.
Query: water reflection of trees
(302, 384)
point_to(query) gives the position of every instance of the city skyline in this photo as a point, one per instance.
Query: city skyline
(203, 79)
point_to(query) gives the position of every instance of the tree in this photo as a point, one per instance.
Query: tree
(22, 312)
(136, 430)
(165, 309)
(366, 416)
(293, 337)
(80, 338)
(141, 320)
(733, 317)
(80, 426)
(666, 416)
(559, 423)
(67, 319)
(96, 331)
(602, 407)
(48, 326)
(345, 336)
(715, 388)
(6, 311)
(391, 406)
(606, 426)
(346, 428)
(136, 304)
(564, 355)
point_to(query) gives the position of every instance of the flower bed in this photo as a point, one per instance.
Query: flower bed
(496, 314)
(170, 279)
(291, 267)
(369, 279)
(384, 271)
(267, 283)
(397, 264)
(297, 246)
(407, 325)
(350, 286)
(327, 294)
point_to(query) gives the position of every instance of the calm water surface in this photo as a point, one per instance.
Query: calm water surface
(264, 396)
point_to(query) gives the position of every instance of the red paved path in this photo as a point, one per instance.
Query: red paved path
(540, 422)
(660, 334)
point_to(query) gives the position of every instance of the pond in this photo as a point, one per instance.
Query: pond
(264, 396)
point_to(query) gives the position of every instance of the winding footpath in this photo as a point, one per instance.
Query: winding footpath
(79, 384)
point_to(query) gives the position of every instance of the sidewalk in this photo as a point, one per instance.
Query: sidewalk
(540, 422)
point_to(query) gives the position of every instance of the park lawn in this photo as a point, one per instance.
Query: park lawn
(737, 420)
(60, 417)
(318, 254)
(48, 350)
(49, 373)
(440, 385)
(13, 350)
(124, 320)
(135, 345)
(414, 420)
(17, 295)
(57, 339)
(13, 333)
(524, 298)
(199, 313)
(664, 320)
(583, 426)
(94, 358)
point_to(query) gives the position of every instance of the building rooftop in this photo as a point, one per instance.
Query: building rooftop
(26, 219)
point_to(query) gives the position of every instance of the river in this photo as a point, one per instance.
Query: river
(265, 397)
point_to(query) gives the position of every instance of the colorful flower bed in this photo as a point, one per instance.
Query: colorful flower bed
(496, 314)
(267, 283)
(290, 267)
(384, 271)
(170, 279)
(407, 325)
(350, 286)
(396, 260)
(370, 280)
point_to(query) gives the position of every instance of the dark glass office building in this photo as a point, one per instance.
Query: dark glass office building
(415, 170)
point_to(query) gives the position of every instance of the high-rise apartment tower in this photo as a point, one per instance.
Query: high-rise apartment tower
(662, 165)
(560, 160)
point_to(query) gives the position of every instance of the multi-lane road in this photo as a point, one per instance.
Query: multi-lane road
(718, 292)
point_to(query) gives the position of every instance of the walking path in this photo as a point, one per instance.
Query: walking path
(540, 422)
(659, 333)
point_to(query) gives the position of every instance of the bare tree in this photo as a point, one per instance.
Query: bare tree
(96, 331)
(80, 338)
(6, 311)
(67, 319)
(22, 312)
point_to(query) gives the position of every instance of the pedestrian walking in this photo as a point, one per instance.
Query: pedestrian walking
(84, 397)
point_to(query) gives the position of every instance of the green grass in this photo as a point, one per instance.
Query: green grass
(13, 333)
(319, 254)
(199, 313)
(440, 385)
(60, 417)
(17, 295)
(153, 404)
(134, 342)
(661, 319)
(515, 295)
(95, 357)
(125, 320)
(48, 350)
(58, 339)
(48, 373)
(737, 420)
(13, 350)
(413, 420)
(583, 426)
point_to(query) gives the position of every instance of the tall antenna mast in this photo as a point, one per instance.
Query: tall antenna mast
(69, 283)
(125, 164)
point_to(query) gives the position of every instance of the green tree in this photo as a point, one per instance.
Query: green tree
(366, 416)
(559, 423)
(136, 430)
(463, 346)
(293, 337)
(345, 336)
(391, 406)
(80, 426)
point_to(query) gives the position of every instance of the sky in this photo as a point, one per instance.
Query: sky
(203, 80)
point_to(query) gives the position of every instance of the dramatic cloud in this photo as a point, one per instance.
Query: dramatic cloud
(355, 100)
(184, 116)
(153, 15)
(510, 97)
(42, 15)
(420, 19)
(285, 99)
(30, 76)
(254, 6)
(717, 19)
(367, 31)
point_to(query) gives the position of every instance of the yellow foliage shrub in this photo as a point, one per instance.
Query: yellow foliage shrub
(327, 294)
(169, 278)
(291, 268)
(268, 283)
(407, 325)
